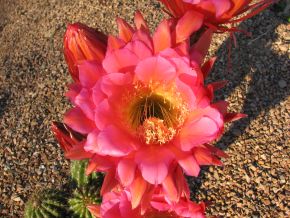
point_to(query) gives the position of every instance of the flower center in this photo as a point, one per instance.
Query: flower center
(152, 106)
(155, 118)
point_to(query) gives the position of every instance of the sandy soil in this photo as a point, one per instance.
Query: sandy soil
(33, 78)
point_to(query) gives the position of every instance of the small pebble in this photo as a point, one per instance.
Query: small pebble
(282, 83)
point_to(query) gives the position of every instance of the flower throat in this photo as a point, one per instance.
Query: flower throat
(155, 118)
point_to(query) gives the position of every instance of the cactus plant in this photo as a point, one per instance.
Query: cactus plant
(46, 204)
(82, 197)
(87, 191)
(78, 173)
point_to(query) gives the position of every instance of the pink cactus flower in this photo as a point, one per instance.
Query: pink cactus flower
(117, 204)
(145, 109)
(217, 12)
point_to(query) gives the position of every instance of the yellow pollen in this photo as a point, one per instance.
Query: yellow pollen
(153, 131)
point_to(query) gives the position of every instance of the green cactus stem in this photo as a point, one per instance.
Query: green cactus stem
(78, 173)
(46, 204)
(82, 197)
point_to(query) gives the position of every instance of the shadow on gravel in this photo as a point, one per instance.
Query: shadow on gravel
(253, 60)
(261, 67)
(4, 99)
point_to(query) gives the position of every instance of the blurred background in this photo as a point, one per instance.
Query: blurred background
(34, 77)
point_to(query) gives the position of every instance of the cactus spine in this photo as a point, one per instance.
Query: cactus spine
(46, 204)
(82, 197)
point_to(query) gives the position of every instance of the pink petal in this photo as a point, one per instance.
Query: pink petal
(182, 186)
(197, 131)
(203, 97)
(92, 142)
(94, 210)
(221, 6)
(221, 106)
(78, 153)
(153, 163)
(207, 67)
(103, 115)
(137, 190)
(217, 152)
(113, 82)
(145, 37)
(114, 43)
(200, 48)
(162, 37)
(77, 120)
(85, 102)
(192, 1)
(110, 182)
(74, 90)
(140, 49)
(189, 165)
(97, 94)
(186, 25)
(187, 92)
(209, 92)
(113, 141)
(126, 171)
(99, 163)
(182, 48)
(214, 114)
(219, 84)
(155, 69)
(160, 206)
(145, 204)
(186, 161)
(196, 68)
(189, 79)
(170, 53)
(122, 60)
(125, 30)
(181, 64)
(205, 157)
(126, 206)
(110, 209)
(190, 209)
(230, 117)
(170, 188)
(139, 21)
(89, 73)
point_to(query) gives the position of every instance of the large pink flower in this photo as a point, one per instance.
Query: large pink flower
(117, 204)
(145, 108)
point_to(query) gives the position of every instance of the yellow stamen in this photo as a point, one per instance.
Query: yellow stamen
(153, 131)
(152, 106)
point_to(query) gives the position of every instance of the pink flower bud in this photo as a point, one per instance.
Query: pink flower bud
(82, 43)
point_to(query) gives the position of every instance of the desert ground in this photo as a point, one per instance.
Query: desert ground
(254, 181)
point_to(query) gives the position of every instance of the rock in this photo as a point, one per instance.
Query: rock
(282, 83)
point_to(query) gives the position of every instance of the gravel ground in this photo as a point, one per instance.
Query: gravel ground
(33, 77)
